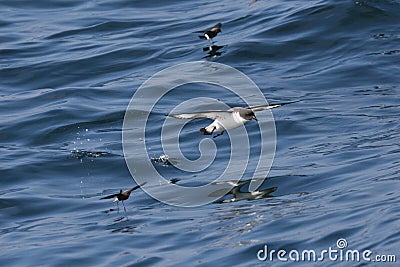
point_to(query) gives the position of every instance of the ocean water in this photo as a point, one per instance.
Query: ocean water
(68, 70)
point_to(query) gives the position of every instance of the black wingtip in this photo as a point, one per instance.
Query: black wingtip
(287, 103)
(138, 186)
(283, 103)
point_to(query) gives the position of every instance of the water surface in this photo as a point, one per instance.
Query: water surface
(69, 68)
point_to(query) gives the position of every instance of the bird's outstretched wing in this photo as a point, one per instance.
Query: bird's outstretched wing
(265, 107)
(138, 186)
(212, 114)
(110, 196)
(216, 27)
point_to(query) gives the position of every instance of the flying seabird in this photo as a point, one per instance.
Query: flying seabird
(211, 33)
(227, 119)
(123, 195)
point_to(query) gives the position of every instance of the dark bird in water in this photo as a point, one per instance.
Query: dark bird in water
(211, 33)
(227, 119)
(123, 195)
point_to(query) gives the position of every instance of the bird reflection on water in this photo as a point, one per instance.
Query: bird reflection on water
(238, 193)
(213, 51)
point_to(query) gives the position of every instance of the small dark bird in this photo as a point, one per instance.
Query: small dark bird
(209, 34)
(123, 195)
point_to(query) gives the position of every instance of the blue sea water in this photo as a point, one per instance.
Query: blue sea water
(68, 70)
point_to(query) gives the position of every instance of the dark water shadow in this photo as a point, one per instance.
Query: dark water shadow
(213, 51)
(122, 225)
(240, 191)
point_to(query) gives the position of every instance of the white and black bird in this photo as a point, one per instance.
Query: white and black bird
(123, 195)
(227, 119)
(211, 33)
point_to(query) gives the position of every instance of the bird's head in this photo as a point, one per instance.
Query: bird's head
(249, 115)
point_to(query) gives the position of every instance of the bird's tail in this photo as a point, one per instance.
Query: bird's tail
(203, 131)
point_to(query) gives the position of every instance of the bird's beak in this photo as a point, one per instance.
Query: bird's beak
(255, 118)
